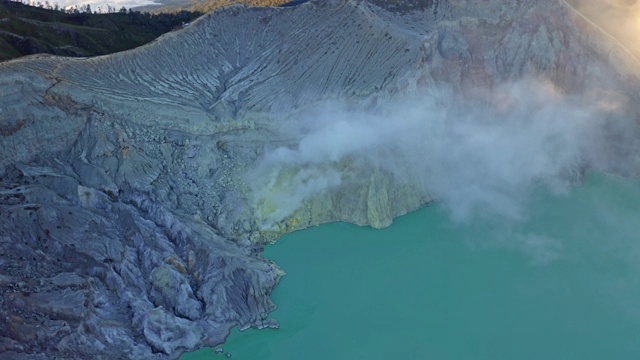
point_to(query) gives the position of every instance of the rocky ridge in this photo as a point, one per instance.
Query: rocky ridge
(127, 226)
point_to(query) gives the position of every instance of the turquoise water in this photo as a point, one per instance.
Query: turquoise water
(565, 284)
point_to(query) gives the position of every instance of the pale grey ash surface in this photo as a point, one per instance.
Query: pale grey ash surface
(127, 229)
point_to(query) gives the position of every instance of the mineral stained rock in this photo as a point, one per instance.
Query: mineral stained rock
(127, 226)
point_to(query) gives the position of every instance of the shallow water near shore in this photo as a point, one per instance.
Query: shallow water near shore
(563, 284)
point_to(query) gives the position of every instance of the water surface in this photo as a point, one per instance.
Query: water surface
(565, 284)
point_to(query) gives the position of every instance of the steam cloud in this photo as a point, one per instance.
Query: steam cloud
(476, 156)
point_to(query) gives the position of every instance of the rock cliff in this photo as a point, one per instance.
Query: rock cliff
(131, 225)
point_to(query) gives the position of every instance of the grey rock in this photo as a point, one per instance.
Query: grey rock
(13, 355)
(127, 226)
(165, 332)
(65, 280)
(65, 304)
(452, 44)
(173, 290)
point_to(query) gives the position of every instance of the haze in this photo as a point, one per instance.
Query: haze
(619, 18)
(477, 157)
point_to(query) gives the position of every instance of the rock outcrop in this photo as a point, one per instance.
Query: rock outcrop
(128, 228)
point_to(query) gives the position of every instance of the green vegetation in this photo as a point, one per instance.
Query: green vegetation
(26, 30)
(204, 6)
(208, 5)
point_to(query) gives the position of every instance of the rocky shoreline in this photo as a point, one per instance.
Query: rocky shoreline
(128, 228)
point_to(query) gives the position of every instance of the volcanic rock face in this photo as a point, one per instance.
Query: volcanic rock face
(130, 225)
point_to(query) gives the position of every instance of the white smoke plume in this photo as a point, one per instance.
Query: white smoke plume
(475, 156)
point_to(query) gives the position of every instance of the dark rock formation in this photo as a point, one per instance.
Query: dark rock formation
(127, 227)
